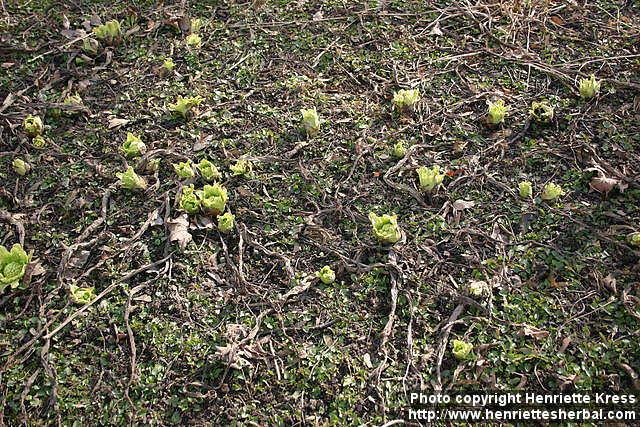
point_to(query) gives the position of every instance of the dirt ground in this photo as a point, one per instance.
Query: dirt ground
(188, 325)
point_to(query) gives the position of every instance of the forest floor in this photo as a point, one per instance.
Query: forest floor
(194, 326)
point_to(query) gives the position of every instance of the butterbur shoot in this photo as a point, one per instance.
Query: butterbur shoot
(213, 199)
(168, 65)
(194, 41)
(496, 112)
(541, 112)
(133, 146)
(242, 168)
(525, 189)
(478, 288)
(184, 169)
(326, 275)
(189, 200)
(399, 150)
(82, 296)
(310, 121)
(589, 87)
(153, 165)
(226, 222)
(184, 106)
(385, 227)
(109, 32)
(130, 180)
(39, 142)
(551, 191)
(21, 167)
(634, 239)
(209, 171)
(90, 46)
(461, 349)
(33, 125)
(13, 265)
(196, 25)
(430, 179)
(405, 100)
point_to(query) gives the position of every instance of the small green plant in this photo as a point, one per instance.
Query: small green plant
(90, 46)
(405, 100)
(525, 188)
(209, 171)
(430, 179)
(194, 41)
(196, 25)
(213, 199)
(131, 181)
(589, 87)
(13, 265)
(73, 100)
(33, 125)
(189, 200)
(133, 146)
(399, 150)
(110, 32)
(496, 112)
(167, 67)
(634, 239)
(184, 106)
(82, 296)
(226, 222)
(153, 165)
(326, 275)
(462, 350)
(478, 288)
(310, 121)
(20, 167)
(551, 192)
(385, 227)
(39, 142)
(242, 167)
(184, 169)
(541, 112)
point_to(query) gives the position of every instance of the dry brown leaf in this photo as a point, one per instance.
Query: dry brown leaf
(178, 231)
(532, 331)
(602, 184)
(461, 205)
(116, 122)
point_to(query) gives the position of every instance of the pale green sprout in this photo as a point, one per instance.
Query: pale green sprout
(430, 179)
(541, 111)
(39, 142)
(73, 100)
(133, 146)
(184, 169)
(634, 239)
(225, 222)
(310, 121)
(208, 170)
(525, 189)
(189, 200)
(90, 46)
(184, 105)
(399, 150)
(168, 64)
(82, 296)
(21, 167)
(242, 167)
(385, 227)
(33, 125)
(496, 112)
(13, 265)
(478, 288)
(461, 349)
(108, 32)
(406, 99)
(196, 25)
(194, 41)
(213, 199)
(589, 87)
(153, 165)
(551, 191)
(326, 275)
(131, 180)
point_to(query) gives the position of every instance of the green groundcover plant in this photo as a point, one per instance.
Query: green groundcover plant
(13, 265)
